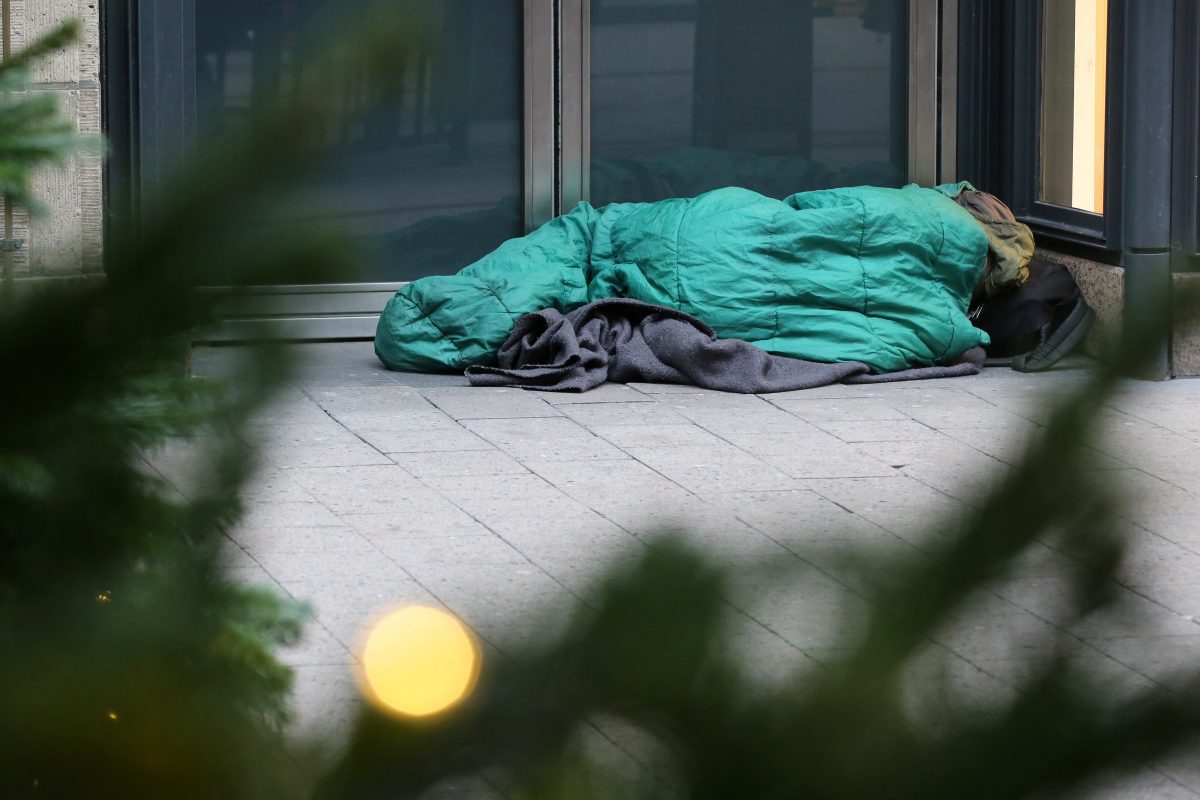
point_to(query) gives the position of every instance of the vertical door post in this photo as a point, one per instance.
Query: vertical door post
(575, 97)
(539, 90)
(948, 93)
(1147, 177)
(923, 64)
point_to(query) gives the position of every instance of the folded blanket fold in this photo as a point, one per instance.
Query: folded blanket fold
(621, 340)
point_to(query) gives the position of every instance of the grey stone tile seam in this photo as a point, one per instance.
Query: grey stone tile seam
(314, 621)
(573, 594)
(818, 568)
(634, 538)
(738, 516)
(927, 550)
(1020, 608)
(1050, 545)
(933, 639)
(769, 629)
(503, 419)
(166, 481)
(922, 424)
(1086, 643)
(997, 596)
(968, 662)
(283, 589)
(1172, 779)
(410, 575)
(501, 536)
(718, 436)
(765, 463)
(464, 510)
(1182, 487)
(973, 505)
(1109, 406)
(630, 456)
(977, 507)
(649, 767)
(727, 601)
(1194, 549)
(1015, 412)
(433, 593)
(1134, 587)
(1137, 589)
(742, 612)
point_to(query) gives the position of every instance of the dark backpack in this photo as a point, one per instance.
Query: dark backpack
(1032, 326)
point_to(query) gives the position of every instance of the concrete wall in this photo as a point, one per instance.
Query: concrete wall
(1103, 287)
(66, 242)
(1185, 333)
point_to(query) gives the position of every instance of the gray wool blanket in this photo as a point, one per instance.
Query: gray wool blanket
(622, 341)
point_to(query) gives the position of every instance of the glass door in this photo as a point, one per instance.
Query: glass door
(690, 95)
(676, 97)
(425, 175)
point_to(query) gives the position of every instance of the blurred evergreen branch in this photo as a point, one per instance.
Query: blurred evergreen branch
(132, 666)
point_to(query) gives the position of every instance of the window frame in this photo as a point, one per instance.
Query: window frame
(147, 51)
(999, 100)
(1055, 221)
(1185, 226)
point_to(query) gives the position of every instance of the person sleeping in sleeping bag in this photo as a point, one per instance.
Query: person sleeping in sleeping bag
(876, 275)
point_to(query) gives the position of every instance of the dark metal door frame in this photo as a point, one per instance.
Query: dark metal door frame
(147, 51)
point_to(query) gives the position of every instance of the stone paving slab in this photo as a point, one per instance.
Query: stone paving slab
(382, 488)
(463, 464)
(413, 436)
(479, 403)
(605, 393)
(543, 438)
(811, 454)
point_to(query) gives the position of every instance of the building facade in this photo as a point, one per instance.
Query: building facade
(66, 242)
(1080, 114)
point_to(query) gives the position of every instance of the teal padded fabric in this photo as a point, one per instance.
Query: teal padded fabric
(881, 276)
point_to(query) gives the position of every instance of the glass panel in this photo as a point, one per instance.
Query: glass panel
(1074, 60)
(779, 97)
(427, 178)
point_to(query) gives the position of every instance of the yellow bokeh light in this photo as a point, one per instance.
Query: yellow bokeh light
(418, 660)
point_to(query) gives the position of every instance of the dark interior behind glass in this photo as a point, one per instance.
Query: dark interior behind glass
(779, 97)
(426, 177)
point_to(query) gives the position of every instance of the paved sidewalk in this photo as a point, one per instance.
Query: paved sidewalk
(382, 488)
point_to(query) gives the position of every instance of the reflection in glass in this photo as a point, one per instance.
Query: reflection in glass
(1074, 60)
(779, 97)
(448, 143)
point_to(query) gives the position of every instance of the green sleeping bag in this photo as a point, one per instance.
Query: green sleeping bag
(881, 276)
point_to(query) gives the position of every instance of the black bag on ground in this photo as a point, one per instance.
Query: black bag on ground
(1034, 325)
